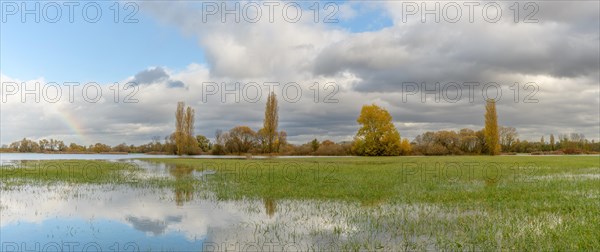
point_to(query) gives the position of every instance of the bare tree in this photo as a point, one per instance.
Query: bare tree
(508, 135)
(240, 139)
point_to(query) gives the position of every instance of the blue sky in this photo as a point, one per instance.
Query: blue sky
(79, 234)
(106, 51)
(103, 52)
(368, 54)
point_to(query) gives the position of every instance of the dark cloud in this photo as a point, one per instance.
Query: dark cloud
(439, 53)
(156, 227)
(150, 76)
(156, 75)
(176, 84)
(560, 54)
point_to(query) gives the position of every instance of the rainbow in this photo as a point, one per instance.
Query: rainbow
(76, 127)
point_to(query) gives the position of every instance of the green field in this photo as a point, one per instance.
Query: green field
(464, 203)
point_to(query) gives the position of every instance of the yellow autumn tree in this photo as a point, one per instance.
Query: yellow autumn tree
(405, 147)
(492, 136)
(184, 130)
(269, 131)
(180, 128)
(378, 135)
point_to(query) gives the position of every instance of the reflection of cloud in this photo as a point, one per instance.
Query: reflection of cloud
(149, 210)
(146, 211)
(156, 227)
(320, 225)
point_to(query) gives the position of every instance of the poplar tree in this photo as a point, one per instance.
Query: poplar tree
(269, 130)
(184, 130)
(179, 127)
(492, 141)
(189, 140)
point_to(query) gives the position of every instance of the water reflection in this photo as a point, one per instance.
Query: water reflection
(130, 218)
(184, 176)
(10, 157)
(270, 207)
(154, 227)
(112, 218)
(184, 187)
(146, 218)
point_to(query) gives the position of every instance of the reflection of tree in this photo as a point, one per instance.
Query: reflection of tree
(270, 207)
(184, 183)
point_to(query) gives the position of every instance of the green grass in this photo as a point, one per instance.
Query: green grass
(66, 171)
(406, 179)
(494, 203)
(530, 203)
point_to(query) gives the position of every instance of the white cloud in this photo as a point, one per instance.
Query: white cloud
(559, 54)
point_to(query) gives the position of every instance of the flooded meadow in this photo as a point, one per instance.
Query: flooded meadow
(342, 204)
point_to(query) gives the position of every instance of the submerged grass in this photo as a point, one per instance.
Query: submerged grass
(472, 203)
(371, 180)
(66, 171)
(523, 203)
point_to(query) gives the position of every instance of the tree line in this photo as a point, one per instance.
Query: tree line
(238, 140)
(376, 136)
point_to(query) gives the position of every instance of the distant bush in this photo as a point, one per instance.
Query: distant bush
(330, 149)
(572, 151)
(218, 150)
(547, 153)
